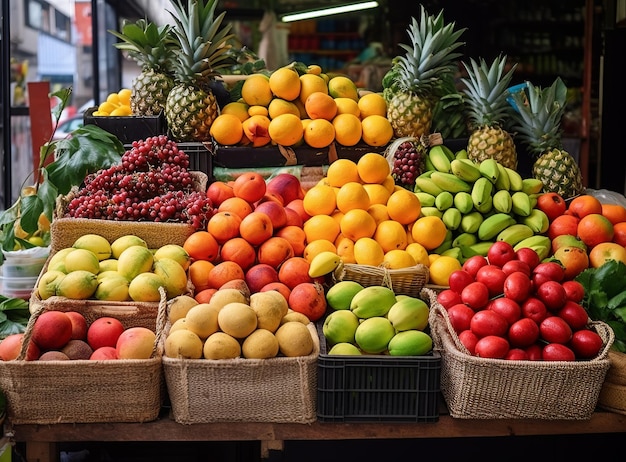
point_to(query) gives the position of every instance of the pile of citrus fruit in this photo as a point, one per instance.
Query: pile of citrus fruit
(289, 109)
(358, 212)
(116, 104)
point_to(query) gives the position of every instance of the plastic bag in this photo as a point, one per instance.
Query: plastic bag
(607, 197)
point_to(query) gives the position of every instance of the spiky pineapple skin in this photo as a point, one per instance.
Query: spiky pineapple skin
(492, 142)
(149, 92)
(409, 114)
(190, 112)
(559, 172)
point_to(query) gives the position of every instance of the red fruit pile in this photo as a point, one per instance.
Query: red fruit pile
(509, 305)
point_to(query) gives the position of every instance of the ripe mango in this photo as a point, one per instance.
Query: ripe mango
(174, 276)
(78, 285)
(145, 287)
(113, 288)
(135, 260)
(408, 313)
(123, 242)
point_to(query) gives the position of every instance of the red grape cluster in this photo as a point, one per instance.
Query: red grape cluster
(150, 183)
(408, 164)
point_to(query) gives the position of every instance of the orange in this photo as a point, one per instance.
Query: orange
(345, 249)
(321, 227)
(368, 252)
(256, 90)
(357, 223)
(372, 104)
(342, 171)
(378, 212)
(377, 130)
(311, 83)
(285, 83)
(319, 133)
(315, 247)
(377, 193)
(224, 272)
(320, 105)
(347, 106)
(429, 231)
(441, 268)
(389, 183)
(403, 206)
(227, 129)
(398, 258)
(199, 274)
(373, 168)
(391, 235)
(583, 205)
(201, 245)
(595, 228)
(347, 129)
(257, 109)
(619, 233)
(616, 213)
(236, 205)
(320, 200)
(236, 108)
(352, 195)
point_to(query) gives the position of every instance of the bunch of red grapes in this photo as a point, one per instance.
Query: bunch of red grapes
(150, 183)
(408, 164)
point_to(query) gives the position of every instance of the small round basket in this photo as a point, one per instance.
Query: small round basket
(403, 281)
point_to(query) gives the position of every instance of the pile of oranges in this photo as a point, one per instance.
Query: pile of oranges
(289, 109)
(116, 104)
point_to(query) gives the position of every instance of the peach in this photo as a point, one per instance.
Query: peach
(583, 205)
(287, 185)
(240, 251)
(270, 196)
(250, 186)
(274, 251)
(298, 206)
(606, 251)
(236, 205)
(275, 211)
(79, 325)
(294, 271)
(240, 284)
(218, 192)
(256, 228)
(224, 226)
(11, 346)
(293, 218)
(135, 343)
(278, 287)
(104, 331)
(52, 330)
(104, 353)
(223, 272)
(260, 275)
(574, 260)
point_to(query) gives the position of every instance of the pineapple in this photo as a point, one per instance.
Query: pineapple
(488, 110)
(150, 47)
(192, 106)
(538, 118)
(417, 77)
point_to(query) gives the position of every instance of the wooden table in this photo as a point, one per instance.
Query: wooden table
(42, 440)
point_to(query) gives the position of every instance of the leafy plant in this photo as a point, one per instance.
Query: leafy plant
(86, 150)
(14, 315)
(605, 297)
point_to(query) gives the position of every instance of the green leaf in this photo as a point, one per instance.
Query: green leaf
(617, 301)
(64, 96)
(32, 206)
(48, 194)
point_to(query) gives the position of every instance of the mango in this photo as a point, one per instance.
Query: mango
(344, 349)
(145, 287)
(372, 301)
(96, 243)
(340, 327)
(410, 343)
(135, 260)
(175, 252)
(48, 282)
(78, 285)
(374, 334)
(123, 242)
(57, 261)
(341, 294)
(408, 313)
(173, 274)
(113, 288)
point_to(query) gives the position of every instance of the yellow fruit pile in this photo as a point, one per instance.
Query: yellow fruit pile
(289, 109)
(359, 213)
(116, 104)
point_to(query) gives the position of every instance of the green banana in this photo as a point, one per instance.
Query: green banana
(431, 211)
(540, 244)
(464, 239)
(426, 199)
(324, 263)
(489, 169)
(463, 202)
(448, 152)
(470, 222)
(452, 218)
(503, 181)
(515, 179)
(492, 225)
(444, 200)
(445, 245)
(439, 159)
(538, 221)
(502, 201)
(426, 184)
(428, 165)
(515, 233)
(461, 154)
(532, 185)
(454, 252)
(481, 194)
(533, 200)
(480, 248)
(450, 182)
(465, 169)
(521, 204)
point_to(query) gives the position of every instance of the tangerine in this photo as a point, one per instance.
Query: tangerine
(201, 245)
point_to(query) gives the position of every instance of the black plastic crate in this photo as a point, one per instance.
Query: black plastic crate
(200, 158)
(128, 128)
(377, 388)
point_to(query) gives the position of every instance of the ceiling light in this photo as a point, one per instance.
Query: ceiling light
(328, 11)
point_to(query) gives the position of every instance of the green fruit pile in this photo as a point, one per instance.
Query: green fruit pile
(374, 320)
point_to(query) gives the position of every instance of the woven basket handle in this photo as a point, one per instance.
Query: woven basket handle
(608, 336)
(160, 324)
(438, 314)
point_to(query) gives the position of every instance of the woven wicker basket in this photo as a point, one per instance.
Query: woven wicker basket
(278, 390)
(613, 392)
(403, 281)
(88, 391)
(480, 388)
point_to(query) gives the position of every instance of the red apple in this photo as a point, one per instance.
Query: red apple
(460, 316)
(507, 307)
(534, 352)
(557, 352)
(448, 297)
(492, 346)
(516, 265)
(523, 333)
(104, 353)
(517, 286)
(259, 275)
(516, 354)
(487, 322)
(574, 290)
(475, 295)
(534, 309)
(554, 329)
(459, 279)
(493, 277)
(552, 294)
(528, 255)
(474, 263)
(574, 314)
(469, 340)
(552, 271)
(104, 332)
(500, 252)
(586, 343)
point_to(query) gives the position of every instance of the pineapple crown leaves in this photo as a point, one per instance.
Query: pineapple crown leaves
(146, 43)
(431, 54)
(486, 91)
(538, 115)
(202, 49)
